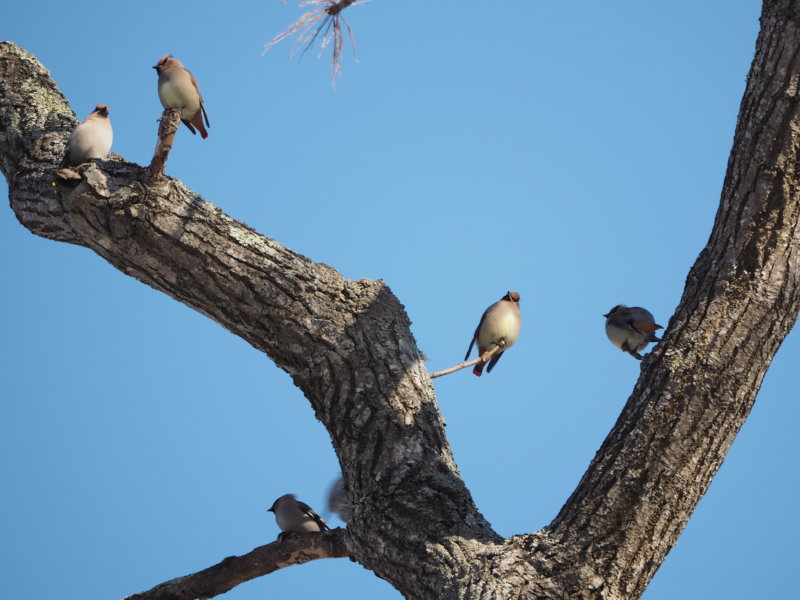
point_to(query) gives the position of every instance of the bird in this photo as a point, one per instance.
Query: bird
(90, 139)
(631, 329)
(337, 501)
(499, 325)
(177, 88)
(295, 516)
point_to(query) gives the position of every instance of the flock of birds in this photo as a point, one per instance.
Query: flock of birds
(630, 329)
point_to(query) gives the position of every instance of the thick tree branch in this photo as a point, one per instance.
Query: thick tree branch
(346, 344)
(294, 549)
(697, 387)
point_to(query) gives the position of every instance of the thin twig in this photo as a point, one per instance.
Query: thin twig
(482, 358)
(170, 121)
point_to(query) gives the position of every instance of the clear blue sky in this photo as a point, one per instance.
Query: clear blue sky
(574, 153)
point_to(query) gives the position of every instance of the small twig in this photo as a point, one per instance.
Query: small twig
(170, 121)
(482, 358)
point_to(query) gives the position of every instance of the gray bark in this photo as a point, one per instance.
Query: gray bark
(348, 347)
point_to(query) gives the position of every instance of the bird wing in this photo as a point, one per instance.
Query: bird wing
(645, 327)
(475, 335)
(194, 82)
(203, 110)
(202, 104)
(310, 512)
(493, 361)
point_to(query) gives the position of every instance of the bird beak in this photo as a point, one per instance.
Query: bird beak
(606, 315)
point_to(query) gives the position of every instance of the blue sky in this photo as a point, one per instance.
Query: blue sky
(573, 153)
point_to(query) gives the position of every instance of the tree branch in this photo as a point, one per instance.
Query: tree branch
(294, 549)
(696, 388)
(167, 127)
(346, 344)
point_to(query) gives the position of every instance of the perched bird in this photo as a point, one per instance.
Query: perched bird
(177, 88)
(631, 328)
(296, 516)
(90, 139)
(337, 501)
(500, 323)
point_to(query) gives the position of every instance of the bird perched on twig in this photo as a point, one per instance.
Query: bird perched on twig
(295, 516)
(177, 88)
(631, 329)
(499, 325)
(90, 139)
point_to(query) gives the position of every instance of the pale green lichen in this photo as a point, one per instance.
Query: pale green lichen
(250, 239)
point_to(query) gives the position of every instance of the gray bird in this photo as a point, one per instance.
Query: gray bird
(631, 329)
(500, 322)
(177, 88)
(337, 501)
(90, 139)
(295, 516)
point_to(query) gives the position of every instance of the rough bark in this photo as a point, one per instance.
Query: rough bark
(167, 127)
(347, 346)
(293, 549)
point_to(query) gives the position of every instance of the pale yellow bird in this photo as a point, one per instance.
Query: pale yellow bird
(177, 88)
(500, 322)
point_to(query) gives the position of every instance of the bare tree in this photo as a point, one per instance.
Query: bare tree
(348, 347)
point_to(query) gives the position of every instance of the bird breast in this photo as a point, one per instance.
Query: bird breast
(296, 522)
(619, 335)
(500, 323)
(177, 91)
(91, 139)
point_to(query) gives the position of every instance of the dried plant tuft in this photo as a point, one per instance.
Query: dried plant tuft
(308, 28)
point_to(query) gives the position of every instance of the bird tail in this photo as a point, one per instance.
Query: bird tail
(478, 370)
(197, 121)
(189, 125)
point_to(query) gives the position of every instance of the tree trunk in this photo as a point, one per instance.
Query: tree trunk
(348, 347)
